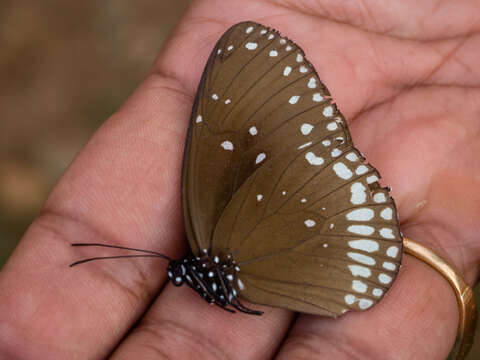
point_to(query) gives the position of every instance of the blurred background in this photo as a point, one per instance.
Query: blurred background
(64, 68)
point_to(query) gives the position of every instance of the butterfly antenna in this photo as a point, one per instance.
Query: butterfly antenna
(149, 253)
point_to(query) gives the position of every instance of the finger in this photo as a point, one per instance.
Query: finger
(122, 189)
(181, 325)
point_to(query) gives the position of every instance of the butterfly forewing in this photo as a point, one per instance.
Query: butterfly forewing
(231, 97)
(271, 176)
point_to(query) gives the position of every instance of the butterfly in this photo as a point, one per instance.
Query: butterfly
(280, 208)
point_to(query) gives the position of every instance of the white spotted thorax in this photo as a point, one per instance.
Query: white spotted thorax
(271, 177)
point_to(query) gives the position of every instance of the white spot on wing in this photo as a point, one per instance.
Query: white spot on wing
(361, 229)
(313, 159)
(214, 96)
(326, 142)
(230, 48)
(294, 99)
(371, 179)
(328, 111)
(287, 70)
(273, 53)
(241, 285)
(359, 286)
(392, 251)
(359, 196)
(350, 299)
(228, 101)
(303, 69)
(379, 197)
(317, 97)
(260, 158)
(387, 233)
(384, 278)
(199, 119)
(306, 128)
(389, 266)
(336, 152)
(299, 58)
(363, 214)
(271, 36)
(249, 29)
(251, 45)
(342, 171)
(363, 259)
(305, 145)
(362, 169)
(288, 48)
(359, 270)
(364, 245)
(365, 303)
(387, 213)
(332, 126)
(309, 223)
(259, 197)
(377, 292)
(352, 156)
(312, 83)
(227, 145)
(253, 131)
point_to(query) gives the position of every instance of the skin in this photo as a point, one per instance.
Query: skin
(406, 77)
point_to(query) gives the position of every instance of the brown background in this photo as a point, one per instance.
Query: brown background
(64, 68)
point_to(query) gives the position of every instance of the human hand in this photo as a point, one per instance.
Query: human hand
(409, 90)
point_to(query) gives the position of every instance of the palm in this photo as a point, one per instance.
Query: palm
(410, 92)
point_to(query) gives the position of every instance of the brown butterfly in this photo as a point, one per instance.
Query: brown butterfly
(279, 207)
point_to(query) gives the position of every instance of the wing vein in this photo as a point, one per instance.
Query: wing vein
(295, 299)
(312, 285)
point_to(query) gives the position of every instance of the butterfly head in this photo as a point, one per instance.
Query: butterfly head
(176, 272)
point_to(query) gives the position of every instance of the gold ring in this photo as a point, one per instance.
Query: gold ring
(466, 301)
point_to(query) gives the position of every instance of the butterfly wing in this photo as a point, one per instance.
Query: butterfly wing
(214, 166)
(313, 238)
(271, 176)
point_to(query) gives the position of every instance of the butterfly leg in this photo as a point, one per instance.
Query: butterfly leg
(231, 298)
(240, 307)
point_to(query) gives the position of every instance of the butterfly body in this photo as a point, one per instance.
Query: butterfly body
(211, 278)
